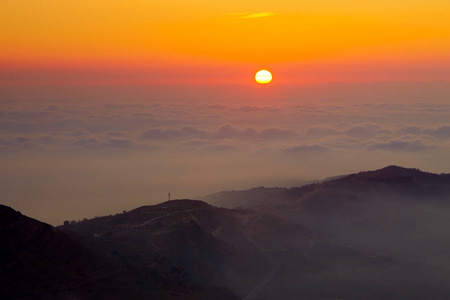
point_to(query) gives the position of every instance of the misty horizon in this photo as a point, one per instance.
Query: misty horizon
(75, 152)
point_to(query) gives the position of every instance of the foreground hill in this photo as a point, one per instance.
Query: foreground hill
(191, 242)
(39, 261)
(373, 235)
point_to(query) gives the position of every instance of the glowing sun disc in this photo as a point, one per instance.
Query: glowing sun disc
(263, 76)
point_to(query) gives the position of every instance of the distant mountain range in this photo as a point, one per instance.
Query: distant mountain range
(373, 235)
(408, 182)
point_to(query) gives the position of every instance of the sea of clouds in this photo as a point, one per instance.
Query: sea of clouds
(76, 159)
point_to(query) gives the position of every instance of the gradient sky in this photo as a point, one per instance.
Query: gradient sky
(223, 41)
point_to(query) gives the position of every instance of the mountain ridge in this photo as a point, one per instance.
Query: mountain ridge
(270, 196)
(39, 260)
(358, 236)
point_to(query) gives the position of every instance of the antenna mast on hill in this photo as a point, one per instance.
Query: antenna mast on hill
(169, 196)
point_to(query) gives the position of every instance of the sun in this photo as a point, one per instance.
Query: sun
(263, 76)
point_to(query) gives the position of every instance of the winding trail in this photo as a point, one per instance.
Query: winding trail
(275, 267)
(166, 215)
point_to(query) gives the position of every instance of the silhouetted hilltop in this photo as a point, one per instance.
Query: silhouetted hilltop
(189, 241)
(40, 261)
(391, 183)
(397, 177)
(37, 259)
(390, 180)
(173, 205)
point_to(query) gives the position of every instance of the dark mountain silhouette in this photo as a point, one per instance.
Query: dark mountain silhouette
(39, 261)
(372, 235)
(189, 241)
(392, 179)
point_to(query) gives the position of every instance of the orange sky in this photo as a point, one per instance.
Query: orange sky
(174, 41)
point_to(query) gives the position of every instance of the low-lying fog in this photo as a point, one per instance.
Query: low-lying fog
(73, 153)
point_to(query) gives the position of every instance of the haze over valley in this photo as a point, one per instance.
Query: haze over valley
(370, 235)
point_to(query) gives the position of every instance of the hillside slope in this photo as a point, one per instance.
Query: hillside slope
(40, 261)
(189, 241)
(380, 234)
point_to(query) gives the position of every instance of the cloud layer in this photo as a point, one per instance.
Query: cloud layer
(250, 129)
(121, 155)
